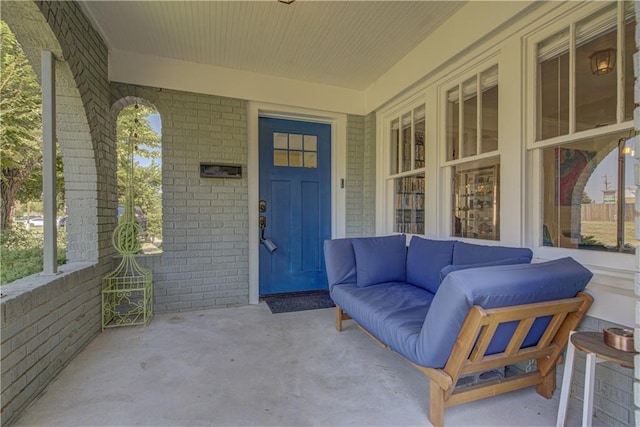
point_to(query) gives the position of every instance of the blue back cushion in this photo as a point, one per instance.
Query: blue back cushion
(425, 260)
(340, 261)
(469, 253)
(509, 261)
(380, 259)
(499, 286)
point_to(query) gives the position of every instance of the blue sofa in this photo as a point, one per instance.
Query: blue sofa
(419, 303)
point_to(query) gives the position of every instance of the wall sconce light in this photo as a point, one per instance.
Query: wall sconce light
(286, 1)
(628, 151)
(603, 61)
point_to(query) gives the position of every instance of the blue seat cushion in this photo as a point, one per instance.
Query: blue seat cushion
(469, 253)
(509, 261)
(380, 259)
(425, 260)
(392, 312)
(499, 286)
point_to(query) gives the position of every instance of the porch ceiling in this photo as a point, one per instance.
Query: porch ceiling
(345, 44)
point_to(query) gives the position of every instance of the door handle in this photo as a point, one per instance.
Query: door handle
(268, 243)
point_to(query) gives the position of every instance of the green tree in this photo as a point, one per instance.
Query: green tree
(137, 138)
(20, 123)
(585, 198)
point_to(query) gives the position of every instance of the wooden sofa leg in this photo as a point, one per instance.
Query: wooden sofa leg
(339, 316)
(548, 385)
(436, 404)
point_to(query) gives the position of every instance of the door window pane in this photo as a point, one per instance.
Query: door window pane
(295, 159)
(280, 141)
(280, 158)
(310, 143)
(310, 160)
(588, 194)
(553, 86)
(295, 142)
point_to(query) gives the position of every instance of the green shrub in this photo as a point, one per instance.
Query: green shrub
(18, 237)
(21, 253)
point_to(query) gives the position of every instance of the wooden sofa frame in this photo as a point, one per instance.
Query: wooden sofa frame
(468, 353)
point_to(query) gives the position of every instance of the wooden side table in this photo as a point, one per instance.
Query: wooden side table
(593, 345)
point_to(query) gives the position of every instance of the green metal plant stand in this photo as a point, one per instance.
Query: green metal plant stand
(127, 295)
(127, 292)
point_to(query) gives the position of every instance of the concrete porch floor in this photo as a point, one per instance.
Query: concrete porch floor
(247, 367)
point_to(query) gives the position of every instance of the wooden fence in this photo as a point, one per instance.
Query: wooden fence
(604, 212)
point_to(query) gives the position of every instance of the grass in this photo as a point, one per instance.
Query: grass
(605, 232)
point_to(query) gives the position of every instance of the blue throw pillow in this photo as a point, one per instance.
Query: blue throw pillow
(380, 259)
(469, 253)
(340, 261)
(451, 268)
(425, 260)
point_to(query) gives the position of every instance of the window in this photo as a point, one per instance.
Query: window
(140, 163)
(472, 116)
(472, 136)
(601, 51)
(584, 130)
(475, 200)
(406, 166)
(589, 194)
(295, 150)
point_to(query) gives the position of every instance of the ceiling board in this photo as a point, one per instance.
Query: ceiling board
(345, 44)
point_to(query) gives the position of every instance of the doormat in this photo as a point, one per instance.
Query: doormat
(299, 301)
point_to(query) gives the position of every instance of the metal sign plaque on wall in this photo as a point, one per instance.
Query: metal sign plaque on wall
(220, 171)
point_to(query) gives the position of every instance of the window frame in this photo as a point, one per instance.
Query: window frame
(447, 167)
(386, 206)
(618, 267)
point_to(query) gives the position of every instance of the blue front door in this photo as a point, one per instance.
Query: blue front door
(295, 203)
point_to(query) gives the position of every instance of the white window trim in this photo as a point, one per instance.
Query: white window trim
(385, 205)
(445, 167)
(613, 272)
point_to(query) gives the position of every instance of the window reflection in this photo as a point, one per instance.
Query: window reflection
(589, 194)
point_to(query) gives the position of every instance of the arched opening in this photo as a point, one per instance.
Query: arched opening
(23, 38)
(21, 156)
(139, 148)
